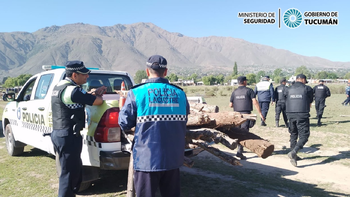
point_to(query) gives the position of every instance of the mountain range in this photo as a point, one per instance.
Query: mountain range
(127, 47)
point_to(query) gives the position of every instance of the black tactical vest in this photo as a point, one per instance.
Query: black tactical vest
(280, 96)
(241, 100)
(296, 100)
(320, 91)
(61, 114)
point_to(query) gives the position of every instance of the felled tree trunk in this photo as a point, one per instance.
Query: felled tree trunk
(223, 156)
(204, 107)
(256, 144)
(214, 120)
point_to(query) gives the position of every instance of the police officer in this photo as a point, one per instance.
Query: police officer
(265, 92)
(159, 111)
(68, 101)
(321, 92)
(280, 102)
(298, 102)
(242, 101)
(347, 92)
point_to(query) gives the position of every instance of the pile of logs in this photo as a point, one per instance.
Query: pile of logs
(206, 126)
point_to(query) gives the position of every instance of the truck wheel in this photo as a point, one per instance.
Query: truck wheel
(83, 185)
(10, 143)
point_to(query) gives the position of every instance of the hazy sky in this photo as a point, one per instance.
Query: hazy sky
(194, 18)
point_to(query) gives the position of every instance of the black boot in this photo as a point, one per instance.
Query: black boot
(293, 156)
(319, 122)
(277, 123)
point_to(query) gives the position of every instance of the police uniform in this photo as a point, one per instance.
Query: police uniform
(68, 102)
(280, 104)
(347, 92)
(241, 99)
(298, 99)
(264, 91)
(158, 110)
(321, 92)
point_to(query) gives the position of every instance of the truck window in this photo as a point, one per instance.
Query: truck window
(43, 86)
(27, 91)
(111, 81)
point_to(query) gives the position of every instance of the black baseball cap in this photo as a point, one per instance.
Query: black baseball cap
(321, 80)
(302, 76)
(156, 62)
(240, 79)
(77, 66)
(283, 80)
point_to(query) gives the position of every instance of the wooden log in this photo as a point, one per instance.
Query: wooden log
(197, 119)
(210, 135)
(204, 107)
(130, 184)
(256, 144)
(227, 119)
(223, 156)
(188, 162)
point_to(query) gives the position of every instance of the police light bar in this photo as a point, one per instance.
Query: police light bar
(51, 67)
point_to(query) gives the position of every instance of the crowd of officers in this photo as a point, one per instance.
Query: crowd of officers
(293, 102)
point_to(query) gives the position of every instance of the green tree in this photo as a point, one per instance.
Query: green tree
(173, 77)
(347, 76)
(235, 70)
(277, 73)
(251, 78)
(4, 79)
(228, 79)
(194, 76)
(321, 75)
(220, 79)
(16, 81)
(332, 76)
(208, 80)
(10, 82)
(303, 70)
(259, 75)
(139, 75)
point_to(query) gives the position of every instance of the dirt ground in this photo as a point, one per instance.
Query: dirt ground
(326, 168)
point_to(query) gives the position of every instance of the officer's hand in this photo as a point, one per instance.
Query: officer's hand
(100, 91)
(272, 103)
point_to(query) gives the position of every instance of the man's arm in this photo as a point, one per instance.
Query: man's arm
(257, 107)
(328, 92)
(272, 94)
(128, 114)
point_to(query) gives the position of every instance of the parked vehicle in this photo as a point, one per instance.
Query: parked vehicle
(28, 121)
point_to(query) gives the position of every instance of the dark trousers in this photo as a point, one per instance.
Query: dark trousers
(281, 108)
(244, 126)
(347, 101)
(147, 183)
(68, 147)
(264, 106)
(299, 128)
(320, 105)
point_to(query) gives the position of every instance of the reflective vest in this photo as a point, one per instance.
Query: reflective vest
(241, 100)
(296, 100)
(61, 113)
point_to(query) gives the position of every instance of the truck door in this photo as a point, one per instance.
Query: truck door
(34, 109)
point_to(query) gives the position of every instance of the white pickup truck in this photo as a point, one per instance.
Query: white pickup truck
(28, 121)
